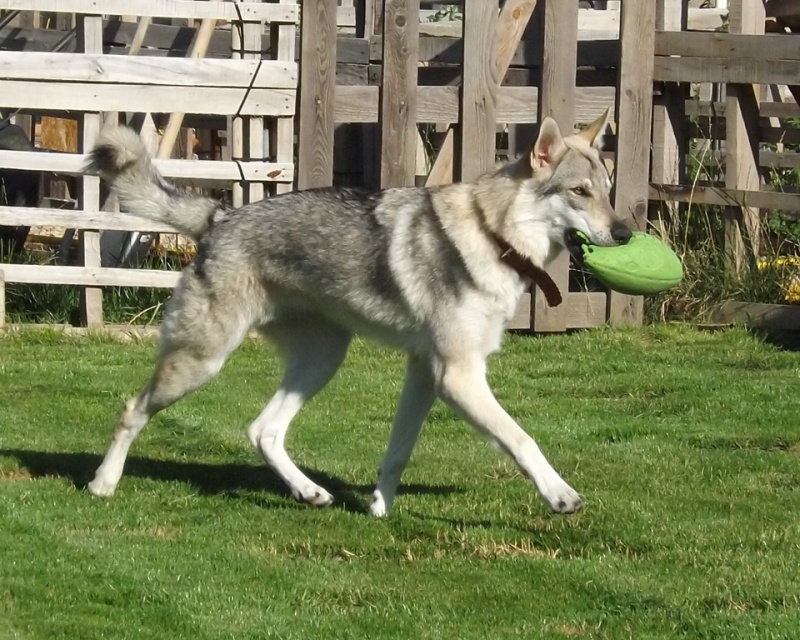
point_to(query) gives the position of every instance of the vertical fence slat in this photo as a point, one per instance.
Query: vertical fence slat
(398, 107)
(669, 135)
(634, 119)
(317, 93)
(557, 100)
(741, 142)
(256, 149)
(478, 90)
(90, 33)
(281, 137)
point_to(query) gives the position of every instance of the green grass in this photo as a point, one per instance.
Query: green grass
(685, 444)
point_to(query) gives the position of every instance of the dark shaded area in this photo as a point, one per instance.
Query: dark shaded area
(229, 480)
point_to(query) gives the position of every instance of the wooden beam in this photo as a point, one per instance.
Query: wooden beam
(669, 139)
(230, 11)
(557, 100)
(742, 139)
(90, 36)
(634, 118)
(479, 90)
(399, 93)
(281, 138)
(738, 198)
(94, 277)
(317, 94)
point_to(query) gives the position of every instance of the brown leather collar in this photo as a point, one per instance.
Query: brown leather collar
(525, 268)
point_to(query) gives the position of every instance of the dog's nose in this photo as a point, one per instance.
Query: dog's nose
(620, 233)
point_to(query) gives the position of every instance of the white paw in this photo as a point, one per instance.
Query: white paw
(314, 495)
(563, 499)
(100, 488)
(378, 507)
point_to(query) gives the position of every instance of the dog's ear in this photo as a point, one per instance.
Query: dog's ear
(593, 134)
(548, 148)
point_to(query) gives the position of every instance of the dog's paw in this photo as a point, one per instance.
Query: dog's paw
(100, 488)
(564, 499)
(314, 495)
(378, 507)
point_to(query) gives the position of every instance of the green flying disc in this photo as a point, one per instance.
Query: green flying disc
(642, 266)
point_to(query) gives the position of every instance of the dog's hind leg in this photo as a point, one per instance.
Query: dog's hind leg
(462, 384)
(415, 403)
(196, 340)
(313, 351)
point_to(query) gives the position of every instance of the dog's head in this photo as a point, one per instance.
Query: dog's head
(565, 189)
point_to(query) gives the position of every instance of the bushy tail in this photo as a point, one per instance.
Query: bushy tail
(122, 160)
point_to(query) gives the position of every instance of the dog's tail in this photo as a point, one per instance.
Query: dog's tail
(122, 160)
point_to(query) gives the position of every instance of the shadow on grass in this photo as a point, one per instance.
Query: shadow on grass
(786, 340)
(208, 479)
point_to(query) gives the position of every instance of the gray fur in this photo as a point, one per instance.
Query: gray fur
(415, 268)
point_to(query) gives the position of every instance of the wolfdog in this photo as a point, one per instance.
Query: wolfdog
(437, 272)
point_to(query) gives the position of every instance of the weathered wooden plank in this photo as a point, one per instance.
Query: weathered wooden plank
(732, 46)
(317, 94)
(183, 170)
(71, 219)
(634, 113)
(742, 138)
(669, 139)
(771, 317)
(281, 138)
(786, 202)
(440, 104)
(89, 276)
(79, 96)
(248, 11)
(76, 67)
(696, 107)
(479, 89)
(399, 93)
(584, 310)
(90, 40)
(740, 70)
(557, 100)
(528, 52)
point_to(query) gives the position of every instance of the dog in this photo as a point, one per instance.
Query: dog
(436, 272)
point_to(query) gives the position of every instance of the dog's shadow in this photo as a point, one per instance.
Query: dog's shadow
(231, 480)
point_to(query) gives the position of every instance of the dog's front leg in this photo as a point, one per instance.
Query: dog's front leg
(416, 400)
(462, 384)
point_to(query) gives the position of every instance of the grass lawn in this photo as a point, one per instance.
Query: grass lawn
(685, 444)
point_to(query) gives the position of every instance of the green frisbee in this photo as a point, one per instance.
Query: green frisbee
(642, 266)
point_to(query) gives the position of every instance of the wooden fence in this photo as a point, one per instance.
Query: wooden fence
(388, 96)
(257, 93)
(741, 127)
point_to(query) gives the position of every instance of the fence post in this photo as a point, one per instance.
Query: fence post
(90, 34)
(281, 138)
(478, 89)
(741, 142)
(317, 94)
(669, 131)
(398, 100)
(634, 120)
(557, 100)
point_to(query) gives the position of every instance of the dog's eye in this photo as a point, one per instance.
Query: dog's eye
(581, 191)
